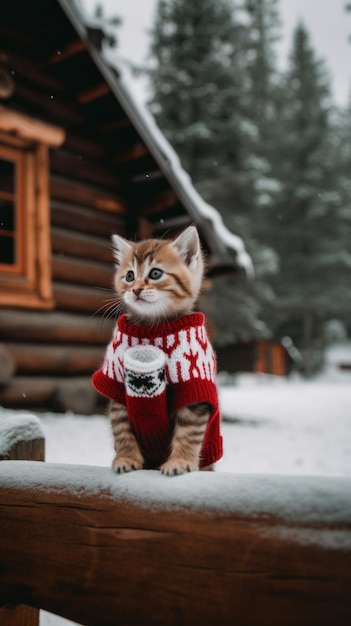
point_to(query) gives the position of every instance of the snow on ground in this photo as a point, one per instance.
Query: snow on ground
(270, 425)
(299, 428)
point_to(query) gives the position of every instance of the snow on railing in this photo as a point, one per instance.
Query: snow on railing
(21, 437)
(203, 548)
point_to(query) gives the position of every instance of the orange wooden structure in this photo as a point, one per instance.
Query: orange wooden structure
(266, 357)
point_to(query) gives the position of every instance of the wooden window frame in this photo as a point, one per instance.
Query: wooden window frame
(28, 282)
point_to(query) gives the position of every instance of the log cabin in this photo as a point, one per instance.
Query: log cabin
(80, 159)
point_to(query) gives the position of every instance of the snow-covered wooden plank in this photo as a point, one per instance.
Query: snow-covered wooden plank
(204, 548)
(21, 437)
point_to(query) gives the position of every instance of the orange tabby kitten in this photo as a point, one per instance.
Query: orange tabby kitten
(159, 369)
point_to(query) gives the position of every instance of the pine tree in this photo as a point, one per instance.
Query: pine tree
(248, 186)
(340, 155)
(202, 100)
(261, 104)
(263, 34)
(195, 82)
(305, 223)
(111, 24)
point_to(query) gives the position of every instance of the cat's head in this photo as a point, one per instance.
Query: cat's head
(158, 279)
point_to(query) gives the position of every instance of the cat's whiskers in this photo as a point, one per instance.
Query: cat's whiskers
(111, 308)
(113, 297)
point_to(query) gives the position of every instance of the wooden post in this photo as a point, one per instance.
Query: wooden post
(21, 438)
(204, 548)
(19, 616)
(16, 433)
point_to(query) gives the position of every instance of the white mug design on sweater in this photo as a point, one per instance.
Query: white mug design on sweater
(144, 371)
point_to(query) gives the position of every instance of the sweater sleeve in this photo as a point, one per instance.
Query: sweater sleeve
(109, 379)
(192, 391)
(202, 391)
(196, 370)
(109, 387)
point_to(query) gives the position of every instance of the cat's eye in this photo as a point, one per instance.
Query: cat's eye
(155, 274)
(129, 276)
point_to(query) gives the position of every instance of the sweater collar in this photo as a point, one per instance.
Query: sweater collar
(160, 330)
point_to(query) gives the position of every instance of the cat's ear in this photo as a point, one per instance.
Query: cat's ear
(120, 248)
(188, 246)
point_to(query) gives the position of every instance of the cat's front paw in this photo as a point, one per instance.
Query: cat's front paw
(174, 467)
(122, 464)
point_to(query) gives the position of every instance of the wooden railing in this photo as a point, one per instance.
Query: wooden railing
(20, 439)
(205, 548)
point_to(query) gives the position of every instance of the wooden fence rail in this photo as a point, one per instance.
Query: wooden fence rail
(204, 548)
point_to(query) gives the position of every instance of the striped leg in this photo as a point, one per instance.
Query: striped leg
(128, 456)
(189, 431)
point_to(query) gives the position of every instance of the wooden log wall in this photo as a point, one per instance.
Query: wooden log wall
(88, 204)
(103, 179)
(47, 359)
(206, 548)
(42, 361)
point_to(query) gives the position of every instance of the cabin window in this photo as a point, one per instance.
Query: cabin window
(11, 208)
(25, 253)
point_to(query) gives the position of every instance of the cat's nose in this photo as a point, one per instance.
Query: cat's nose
(137, 291)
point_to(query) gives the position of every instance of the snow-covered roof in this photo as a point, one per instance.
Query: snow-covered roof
(117, 74)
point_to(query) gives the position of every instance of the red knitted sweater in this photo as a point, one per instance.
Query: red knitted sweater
(190, 376)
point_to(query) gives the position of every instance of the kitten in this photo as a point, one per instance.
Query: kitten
(158, 282)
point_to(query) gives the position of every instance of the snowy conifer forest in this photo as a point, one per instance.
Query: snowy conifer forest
(271, 151)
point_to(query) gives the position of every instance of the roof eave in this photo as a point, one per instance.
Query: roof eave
(228, 249)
